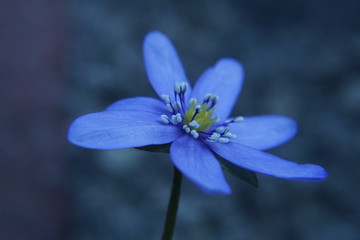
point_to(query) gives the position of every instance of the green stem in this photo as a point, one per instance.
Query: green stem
(173, 206)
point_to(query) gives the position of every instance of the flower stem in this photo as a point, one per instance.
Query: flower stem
(173, 206)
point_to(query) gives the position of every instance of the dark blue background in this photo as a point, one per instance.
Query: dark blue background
(60, 60)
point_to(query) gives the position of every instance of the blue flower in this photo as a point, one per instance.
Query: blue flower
(195, 121)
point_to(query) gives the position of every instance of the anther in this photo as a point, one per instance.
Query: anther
(166, 98)
(169, 107)
(220, 129)
(229, 135)
(210, 140)
(186, 129)
(164, 119)
(223, 140)
(184, 86)
(178, 105)
(193, 101)
(173, 119)
(215, 99)
(212, 100)
(194, 124)
(194, 133)
(239, 119)
(178, 117)
(177, 88)
(207, 97)
(215, 136)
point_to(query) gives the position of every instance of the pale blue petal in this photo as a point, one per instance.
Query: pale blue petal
(121, 129)
(266, 163)
(163, 65)
(195, 160)
(145, 104)
(225, 79)
(264, 132)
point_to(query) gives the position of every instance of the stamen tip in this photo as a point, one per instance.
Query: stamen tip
(239, 119)
(177, 87)
(220, 129)
(178, 117)
(215, 98)
(223, 140)
(194, 133)
(164, 119)
(174, 119)
(166, 98)
(184, 86)
(169, 107)
(192, 101)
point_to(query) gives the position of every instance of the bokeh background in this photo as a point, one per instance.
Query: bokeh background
(62, 59)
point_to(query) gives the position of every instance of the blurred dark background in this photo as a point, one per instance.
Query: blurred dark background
(62, 59)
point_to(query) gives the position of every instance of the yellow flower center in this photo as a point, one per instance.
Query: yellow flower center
(202, 115)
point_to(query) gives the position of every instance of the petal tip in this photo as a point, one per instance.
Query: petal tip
(318, 173)
(216, 191)
(321, 174)
(230, 61)
(230, 64)
(311, 173)
(155, 36)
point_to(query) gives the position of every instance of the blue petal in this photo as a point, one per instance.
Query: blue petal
(266, 163)
(121, 129)
(195, 160)
(145, 104)
(163, 65)
(264, 132)
(225, 80)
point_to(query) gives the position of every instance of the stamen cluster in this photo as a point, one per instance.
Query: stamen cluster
(197, 120)
(177, 108)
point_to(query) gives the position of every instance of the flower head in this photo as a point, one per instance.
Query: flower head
(195, 121)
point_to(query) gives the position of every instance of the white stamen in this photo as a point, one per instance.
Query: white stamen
(221, 134)
(178, 104)
(230, 135)
(177, 87)
(174, 119)
(169, 107)
(239, 119)
(223, 140)
(194, 124)
(215, 136)
(215, 99)
(210, 139)
(164, 119)
(193, 101)
(184, 86)
(166, 98)
(194, 133)
(220, 129)
(187, 129)
(207, 97)
(178, 117)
